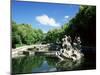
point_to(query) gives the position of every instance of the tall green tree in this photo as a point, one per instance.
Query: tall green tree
(24, 34)
(84, 25)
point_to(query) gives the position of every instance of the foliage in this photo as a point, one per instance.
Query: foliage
(52, 36)
(84, 25)
(25, 34)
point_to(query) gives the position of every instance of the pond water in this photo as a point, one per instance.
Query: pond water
(37, 63)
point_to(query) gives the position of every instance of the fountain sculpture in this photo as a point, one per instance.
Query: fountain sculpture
(69, 51)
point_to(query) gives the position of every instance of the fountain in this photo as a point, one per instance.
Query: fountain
(69, 51)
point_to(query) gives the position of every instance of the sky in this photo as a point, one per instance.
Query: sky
(44, 16)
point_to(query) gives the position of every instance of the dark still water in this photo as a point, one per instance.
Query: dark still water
(37, 64)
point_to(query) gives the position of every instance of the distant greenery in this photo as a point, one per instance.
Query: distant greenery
(24, 34)
(83, 25)
(55, 35)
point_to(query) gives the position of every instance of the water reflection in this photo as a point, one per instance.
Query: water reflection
(33, 64)
(26, 64)
(69, 65)
(45, 67)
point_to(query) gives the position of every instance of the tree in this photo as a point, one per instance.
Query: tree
(84, 25)
(25, 34)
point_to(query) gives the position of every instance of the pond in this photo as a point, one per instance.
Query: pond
(41, 63)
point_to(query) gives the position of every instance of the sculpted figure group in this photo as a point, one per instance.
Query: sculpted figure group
(70, 51)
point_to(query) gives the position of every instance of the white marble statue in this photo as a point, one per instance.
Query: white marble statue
(68, 51)
(66, 42)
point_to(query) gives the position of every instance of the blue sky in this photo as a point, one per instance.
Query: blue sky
(44, 16)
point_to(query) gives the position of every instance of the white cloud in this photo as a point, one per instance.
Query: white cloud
(66, 17)
(45, 20)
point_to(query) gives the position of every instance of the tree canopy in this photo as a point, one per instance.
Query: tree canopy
(84, 25)
(25, 34)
